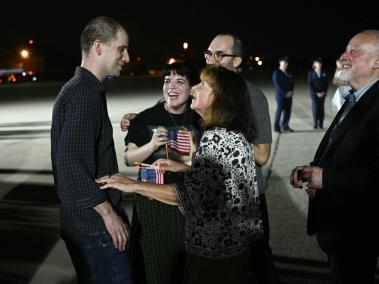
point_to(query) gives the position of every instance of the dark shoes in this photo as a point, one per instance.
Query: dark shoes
(278, 130)
(315, 127)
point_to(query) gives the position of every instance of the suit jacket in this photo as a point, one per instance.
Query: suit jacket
(283, 83)
(349, 200)
(317, 84)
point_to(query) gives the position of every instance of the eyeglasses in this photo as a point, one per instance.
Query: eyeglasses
(217, 56)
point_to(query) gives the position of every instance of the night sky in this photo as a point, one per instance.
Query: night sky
(157, 29)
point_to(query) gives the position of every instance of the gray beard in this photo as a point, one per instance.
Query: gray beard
(345, 75)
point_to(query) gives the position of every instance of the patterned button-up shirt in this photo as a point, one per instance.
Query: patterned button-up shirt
(82, 149)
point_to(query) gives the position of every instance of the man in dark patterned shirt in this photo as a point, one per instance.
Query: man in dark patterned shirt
(82, 149)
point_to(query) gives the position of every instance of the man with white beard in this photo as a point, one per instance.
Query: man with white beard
(342, 179)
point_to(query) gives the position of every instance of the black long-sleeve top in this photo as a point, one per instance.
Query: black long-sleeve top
(82, 149)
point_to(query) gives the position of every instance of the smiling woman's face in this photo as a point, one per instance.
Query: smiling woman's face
(202, 97)
(176, 90)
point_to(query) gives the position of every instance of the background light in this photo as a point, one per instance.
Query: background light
(24, 53)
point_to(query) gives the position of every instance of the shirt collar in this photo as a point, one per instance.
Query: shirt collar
(88, 75)
(359, 93)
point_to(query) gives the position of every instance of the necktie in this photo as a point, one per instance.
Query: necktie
(350, 104)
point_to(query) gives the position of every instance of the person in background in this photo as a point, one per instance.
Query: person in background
(219, 195)
(93, 224)
(342, 180)
(284, 88)
(318, 86)
(342, 86)
(157, 234)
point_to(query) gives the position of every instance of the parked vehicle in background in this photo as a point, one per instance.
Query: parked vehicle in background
(10, 76)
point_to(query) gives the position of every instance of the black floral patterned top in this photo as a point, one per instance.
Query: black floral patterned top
(219, 196)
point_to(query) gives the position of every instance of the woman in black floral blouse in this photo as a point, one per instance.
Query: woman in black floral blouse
(219, 195)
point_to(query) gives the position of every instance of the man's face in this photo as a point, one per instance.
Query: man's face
(283, 64)
(116, 54)
(222, 45)
(359, 60)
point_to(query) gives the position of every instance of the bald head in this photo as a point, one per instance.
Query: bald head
(372, 38)
(361, 58)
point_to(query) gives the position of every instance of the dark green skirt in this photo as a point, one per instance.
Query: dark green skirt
(156, 244)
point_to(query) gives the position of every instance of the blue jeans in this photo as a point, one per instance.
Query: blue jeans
(96, 260)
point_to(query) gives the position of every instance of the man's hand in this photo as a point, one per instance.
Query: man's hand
(289, 94)
(114, 225)
(125, 121)
(117, 229)
(296, 177)
(311, 192)
(314, 177)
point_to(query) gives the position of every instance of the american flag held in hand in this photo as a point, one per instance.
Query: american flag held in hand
(151, 174)
(180, 141)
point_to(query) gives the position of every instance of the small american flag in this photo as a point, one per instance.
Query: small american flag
(151, 174)
(180, 141)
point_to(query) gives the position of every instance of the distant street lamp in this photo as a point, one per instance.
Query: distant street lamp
(171, 61)
(24, 53)
(185, 45)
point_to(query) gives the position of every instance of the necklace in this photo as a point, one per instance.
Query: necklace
(172, 118)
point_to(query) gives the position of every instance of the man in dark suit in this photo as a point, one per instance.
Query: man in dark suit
(342, 180)
(284, 87)
(318, 87)
(92, 221)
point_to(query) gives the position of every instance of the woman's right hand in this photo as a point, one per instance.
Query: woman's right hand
(159, 138)
(119, 182)
(168, 165)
